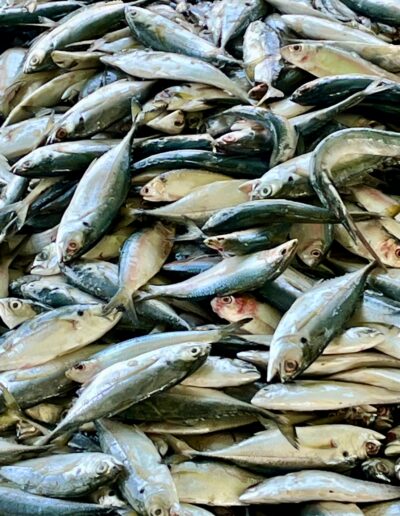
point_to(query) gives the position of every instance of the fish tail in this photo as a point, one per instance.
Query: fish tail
(180, 447)
(271, 93)
(355, 233)
(14, 411)
(122, 302)
(232, 328)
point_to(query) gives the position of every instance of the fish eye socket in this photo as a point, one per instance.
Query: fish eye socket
(372, 448)
(16, 304)
(178, 123)
(290, 366)
(316, 253)
(227, 300)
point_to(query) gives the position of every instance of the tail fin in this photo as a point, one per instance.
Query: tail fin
(123, 302)
(13, 412)
(271, 93)
(180, 447)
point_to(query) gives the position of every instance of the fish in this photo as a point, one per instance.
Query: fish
(298, 341)
(331, 487)
(77, 474)
(128, 382)
(147, 484)
(158, 65)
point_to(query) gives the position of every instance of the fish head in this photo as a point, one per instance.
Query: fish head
(393, 439)
(286, 358)
(46, 262)
(379, 469)
(281, 255)
(70, 244)
(312, 254)
(193, 351)
(154, 190)
(82, 371)
(236, 307)
(34, 60)
(13, 311)
(298, 54)
(63, 129)
(228, 139)
(105, 467)
(249, 187)
(27, 163)
(106, 495)
(217, 242)
(389, 251)
(267, 188)
(159, 504)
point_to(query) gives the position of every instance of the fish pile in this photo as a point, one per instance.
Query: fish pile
(200, 257)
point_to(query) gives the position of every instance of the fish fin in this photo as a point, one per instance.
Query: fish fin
(271, 420)
(180, 447)
(346, 218)
(232, 328)
(355, 233)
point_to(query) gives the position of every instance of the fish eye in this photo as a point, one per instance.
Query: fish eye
(303, 340)
(397, 252)
(296, 48)
(195, 350)
(316, 253)
(177, 123)
(266, 192)
(145, 190)
(80, 367)
(80, 313)
(34, 60)
(290, 179)
(227, 300)
(72, 246)
(381, 467)
(283, 251)
(27, 164)
(372, 448)
(157, 512)
(61, 133)
(290, 366)
(102, 468)
(346, 453)
(16, 304)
